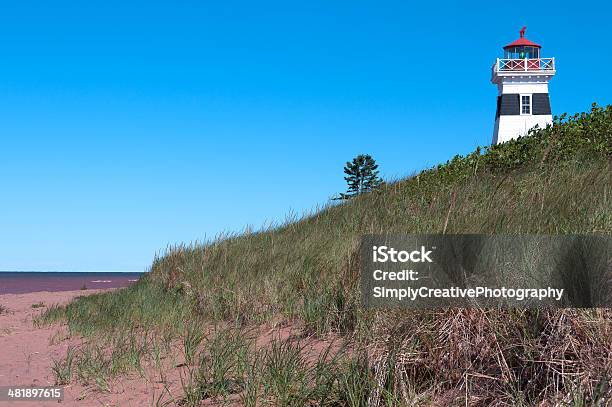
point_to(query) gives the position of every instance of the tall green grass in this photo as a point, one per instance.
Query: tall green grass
(556, 181)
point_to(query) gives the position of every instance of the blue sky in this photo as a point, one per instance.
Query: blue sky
(129, 126)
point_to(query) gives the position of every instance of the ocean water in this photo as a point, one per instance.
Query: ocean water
(27, 282)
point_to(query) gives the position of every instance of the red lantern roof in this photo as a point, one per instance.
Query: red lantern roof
(522, 41)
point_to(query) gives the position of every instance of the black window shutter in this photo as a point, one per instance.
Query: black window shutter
(510, 104)
(541, 104)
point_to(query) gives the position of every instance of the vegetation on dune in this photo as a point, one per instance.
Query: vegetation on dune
(361, 176)
(556, 181)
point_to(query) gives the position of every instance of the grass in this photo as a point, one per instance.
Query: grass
(38, 305)
(63, 369)
(305, 272)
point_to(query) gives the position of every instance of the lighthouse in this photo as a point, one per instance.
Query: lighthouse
(521, 77)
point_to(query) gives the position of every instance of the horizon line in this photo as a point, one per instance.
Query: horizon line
(80, 271)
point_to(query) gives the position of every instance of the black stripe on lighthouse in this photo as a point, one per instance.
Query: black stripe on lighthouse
(509, 104)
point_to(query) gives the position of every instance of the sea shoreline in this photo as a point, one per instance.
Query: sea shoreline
(30, 282)
(86, 291)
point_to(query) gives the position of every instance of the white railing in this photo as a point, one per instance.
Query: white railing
(532, 64)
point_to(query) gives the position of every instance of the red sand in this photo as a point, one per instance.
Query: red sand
(27, 354)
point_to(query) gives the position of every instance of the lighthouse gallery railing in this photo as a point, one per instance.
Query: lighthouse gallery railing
(532, 64)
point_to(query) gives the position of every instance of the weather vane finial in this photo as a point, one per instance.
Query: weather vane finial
(523, 31)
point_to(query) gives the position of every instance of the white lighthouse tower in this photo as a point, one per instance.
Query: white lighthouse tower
(522, 81)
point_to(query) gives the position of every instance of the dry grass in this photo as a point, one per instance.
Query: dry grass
(494, 357)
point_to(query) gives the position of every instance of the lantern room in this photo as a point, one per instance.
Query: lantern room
(522, 48)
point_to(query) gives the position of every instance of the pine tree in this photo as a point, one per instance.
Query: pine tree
(361, 176)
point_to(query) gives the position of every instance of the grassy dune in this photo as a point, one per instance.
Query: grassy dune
(304, 272)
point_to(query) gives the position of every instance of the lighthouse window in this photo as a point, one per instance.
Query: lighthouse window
(525, 104)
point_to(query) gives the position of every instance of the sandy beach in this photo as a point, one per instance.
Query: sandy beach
(27, 353)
